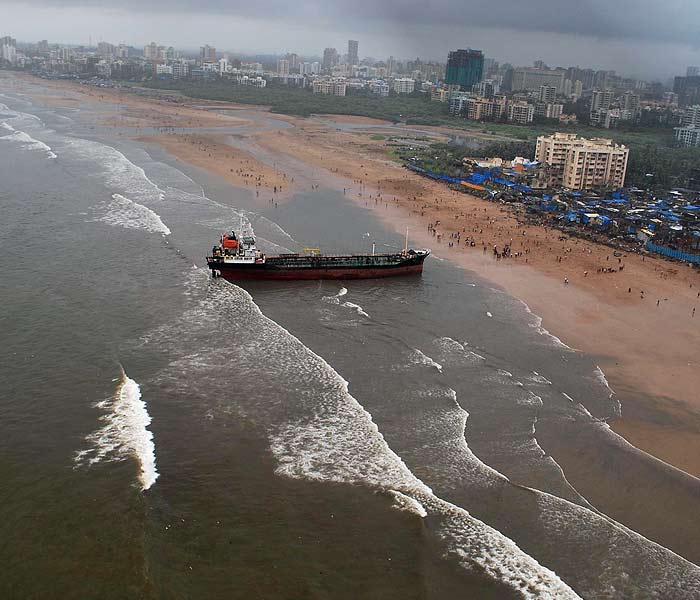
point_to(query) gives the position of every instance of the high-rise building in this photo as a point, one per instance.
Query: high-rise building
(207, 53)
(105, 50)
(631, 101)
(691, 116)
(486, 88)
(688, 90)
(283, 66)
(8, 50)
(490, 67)
(293, 59)
(181, 70)
(150, 52)
(330, 58)
(309, 68)
(692, 71)
(352, 53)
(601, 99)
(582, 164)
(530, 79)
(520, 112)
(549, 110)
(687, 137)
(404, 85)
(548, 93)
(464, 68)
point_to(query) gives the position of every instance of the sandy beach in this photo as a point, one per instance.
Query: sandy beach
(638, 320)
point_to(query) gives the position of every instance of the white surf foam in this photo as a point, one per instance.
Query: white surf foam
(529, 399)
(342, 444)
(419, 358)
(255, 218)
(337, 300)
(600, 376)
(456, 353)
(124, 433)
(408, 504)
(319, 431)
(26, 140)
(124, 212)
(537, 378)
(537, 325)
(114, 167)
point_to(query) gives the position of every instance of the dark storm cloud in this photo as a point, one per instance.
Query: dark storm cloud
(651, 20)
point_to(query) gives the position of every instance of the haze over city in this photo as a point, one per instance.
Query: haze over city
(644, 38)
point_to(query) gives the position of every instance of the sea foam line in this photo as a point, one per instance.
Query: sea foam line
(537, 325)
(124, 212)
(340, 442)
(124, 434)
(26, 140)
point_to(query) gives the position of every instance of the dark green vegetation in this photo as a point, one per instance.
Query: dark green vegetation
(303, 102)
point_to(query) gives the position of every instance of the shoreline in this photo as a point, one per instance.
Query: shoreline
(643, 348)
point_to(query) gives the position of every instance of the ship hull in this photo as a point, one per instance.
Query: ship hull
(232, 272)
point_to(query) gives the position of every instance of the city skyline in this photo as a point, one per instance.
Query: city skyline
(636, 45)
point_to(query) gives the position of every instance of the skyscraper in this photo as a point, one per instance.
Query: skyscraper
(283, 66)
(207, 54)
(8, 50)
(464, 68)
(352, 53)
(330, 58)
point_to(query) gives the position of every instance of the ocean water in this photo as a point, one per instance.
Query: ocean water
(163, 434)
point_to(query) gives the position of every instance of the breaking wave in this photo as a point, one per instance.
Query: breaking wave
(419, 358)
(26, 140)
(124, 434)
(124, 212)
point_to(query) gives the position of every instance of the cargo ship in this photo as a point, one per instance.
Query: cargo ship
(237, 257)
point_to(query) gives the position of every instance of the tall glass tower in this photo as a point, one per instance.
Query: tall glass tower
(352, 53)
(464, 68)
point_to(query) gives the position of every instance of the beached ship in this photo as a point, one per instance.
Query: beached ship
(237, 257)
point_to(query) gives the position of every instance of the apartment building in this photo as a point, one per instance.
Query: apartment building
(687, 137)
(404, 85)
(330, 87)
(521, 112)
(582, 164)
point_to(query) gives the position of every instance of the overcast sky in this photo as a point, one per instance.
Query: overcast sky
(644, 38)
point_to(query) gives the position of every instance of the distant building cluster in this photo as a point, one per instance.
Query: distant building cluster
(471, 85)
